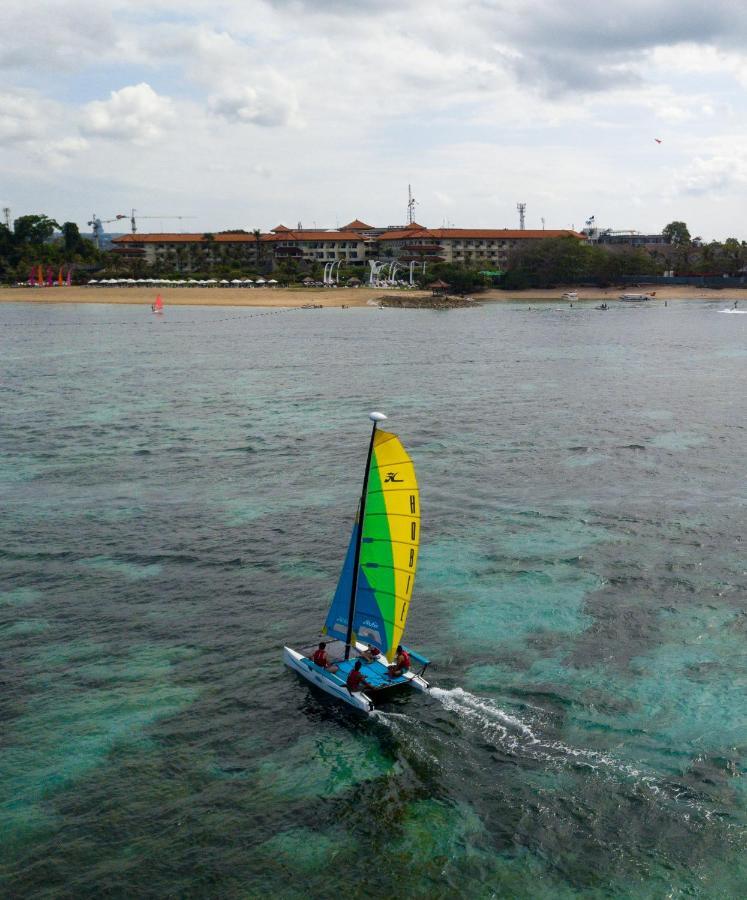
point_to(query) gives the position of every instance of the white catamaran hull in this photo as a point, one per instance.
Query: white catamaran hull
(328, 683)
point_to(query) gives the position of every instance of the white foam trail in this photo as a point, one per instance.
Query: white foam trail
(738, 312)
(485, 713)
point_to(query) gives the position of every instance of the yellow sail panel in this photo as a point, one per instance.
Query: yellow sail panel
(389, 545)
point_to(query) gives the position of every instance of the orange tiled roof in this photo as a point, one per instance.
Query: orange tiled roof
(280, 228)
(356, 224)
(288, 235)
(182, 238)
(476, 233)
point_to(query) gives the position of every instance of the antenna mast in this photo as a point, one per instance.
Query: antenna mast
(6, 216)
(411, 201)
(522, 207)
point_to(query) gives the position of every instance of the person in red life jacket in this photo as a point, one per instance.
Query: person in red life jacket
(355, 681)
(321, 659)
(401, 663)
(371, 653)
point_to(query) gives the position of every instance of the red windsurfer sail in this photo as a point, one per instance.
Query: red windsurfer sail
(158, 305)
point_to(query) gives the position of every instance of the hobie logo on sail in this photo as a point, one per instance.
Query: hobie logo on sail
(392, 476)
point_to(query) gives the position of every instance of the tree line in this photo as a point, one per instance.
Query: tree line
(38, 240)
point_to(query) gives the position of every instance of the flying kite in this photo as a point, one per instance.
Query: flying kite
(658, 140)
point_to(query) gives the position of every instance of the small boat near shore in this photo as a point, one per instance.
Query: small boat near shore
(570, 295)
(637, 298)
(366, 621)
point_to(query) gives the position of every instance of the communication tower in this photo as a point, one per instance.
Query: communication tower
(411, 201)
(6, 216)
(522, 207)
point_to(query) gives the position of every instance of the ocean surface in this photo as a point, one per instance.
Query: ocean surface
(178, 493)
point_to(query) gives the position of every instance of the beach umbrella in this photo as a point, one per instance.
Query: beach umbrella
(261, 281)
(224, 281)
(248, 281)
(212, 281)
(272, 281)
(235, 281)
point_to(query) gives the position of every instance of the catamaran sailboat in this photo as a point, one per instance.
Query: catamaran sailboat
(367, 617)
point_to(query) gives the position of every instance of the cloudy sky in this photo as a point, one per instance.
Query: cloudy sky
(247, 113)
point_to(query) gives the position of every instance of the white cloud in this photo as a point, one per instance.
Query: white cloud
(272, 102)
(23, 117)
(713, 175)
(135, 113)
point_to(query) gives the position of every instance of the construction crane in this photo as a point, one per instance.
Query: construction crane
(133, 223)
(97, 225)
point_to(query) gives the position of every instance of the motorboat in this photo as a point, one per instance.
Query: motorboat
(637, 298)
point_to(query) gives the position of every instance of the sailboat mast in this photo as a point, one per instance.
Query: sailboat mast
(376, 417)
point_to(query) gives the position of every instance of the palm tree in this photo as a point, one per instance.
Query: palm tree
(257, 235)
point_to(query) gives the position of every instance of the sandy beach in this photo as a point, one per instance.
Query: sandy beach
(294, 297)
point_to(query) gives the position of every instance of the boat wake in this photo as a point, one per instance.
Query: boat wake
(732, 312)
(511, 734)
(486, 716)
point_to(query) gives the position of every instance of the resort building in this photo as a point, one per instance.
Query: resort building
(354, 244)
(191, 252)
(314, 245)
(491, 246)
(624, 238)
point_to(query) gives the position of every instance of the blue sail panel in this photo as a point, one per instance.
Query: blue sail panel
(336, 625)
(368, 620)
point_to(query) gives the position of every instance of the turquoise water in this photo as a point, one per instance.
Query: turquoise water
(177, 501)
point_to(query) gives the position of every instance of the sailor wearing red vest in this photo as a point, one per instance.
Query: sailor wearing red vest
(355, 680)
(401, 663)
(321, 659)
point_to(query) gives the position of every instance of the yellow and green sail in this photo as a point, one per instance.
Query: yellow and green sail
(388, 551)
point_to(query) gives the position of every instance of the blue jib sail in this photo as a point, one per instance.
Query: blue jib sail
(336, 625)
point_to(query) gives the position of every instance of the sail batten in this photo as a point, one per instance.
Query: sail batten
(388, 550)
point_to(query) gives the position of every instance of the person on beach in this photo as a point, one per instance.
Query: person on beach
(321, 659)
(355, 681)
(401, 663)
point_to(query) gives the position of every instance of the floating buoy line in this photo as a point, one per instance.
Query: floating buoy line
(150, 320)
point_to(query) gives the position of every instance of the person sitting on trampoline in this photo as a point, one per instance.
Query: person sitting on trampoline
(401, 663)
